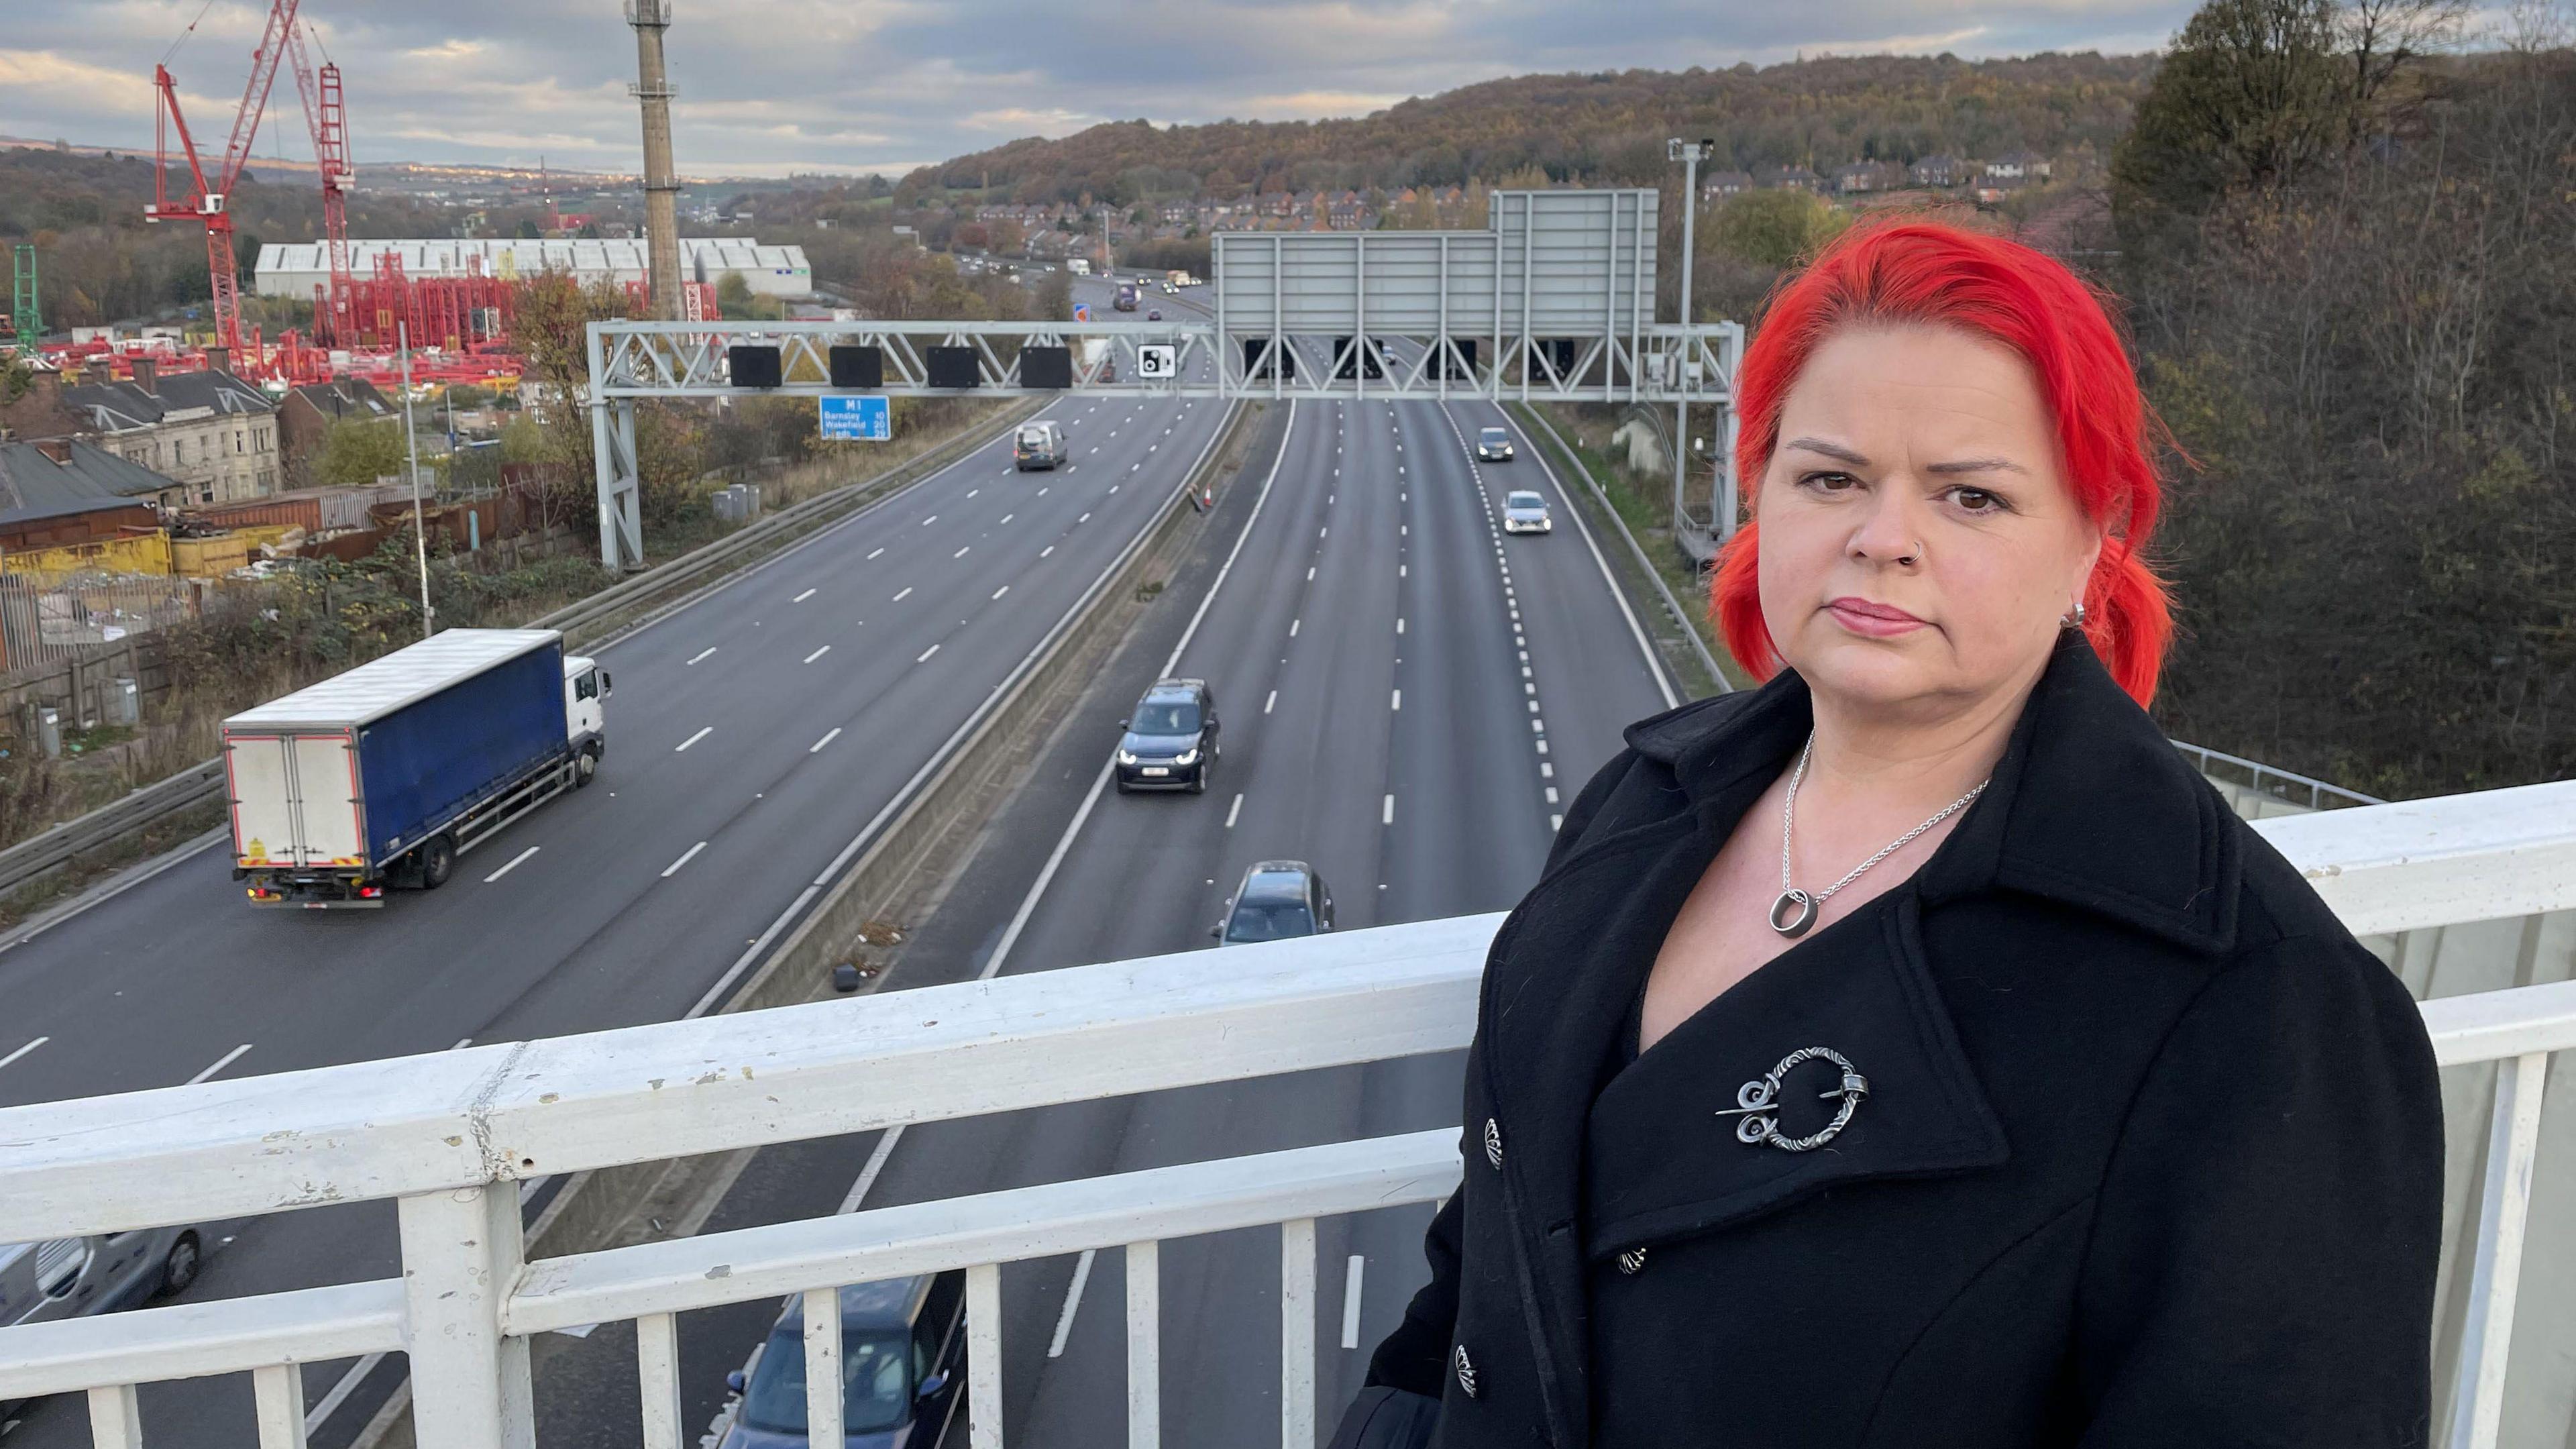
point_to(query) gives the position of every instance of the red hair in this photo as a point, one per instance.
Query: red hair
(1924, 273)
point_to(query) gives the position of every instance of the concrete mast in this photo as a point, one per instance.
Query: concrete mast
(652, 86)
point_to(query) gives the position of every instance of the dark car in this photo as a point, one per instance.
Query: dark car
(1494, 445)
(1154, 314)
(1170, 741)
(903, 1361)
(1278, 899)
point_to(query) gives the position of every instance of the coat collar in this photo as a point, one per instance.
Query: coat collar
(2090, 806)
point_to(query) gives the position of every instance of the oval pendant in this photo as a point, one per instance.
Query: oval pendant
(1798, 907)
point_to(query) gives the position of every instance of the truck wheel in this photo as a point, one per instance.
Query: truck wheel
(437, 862)
(179, 1269)
(585, 767)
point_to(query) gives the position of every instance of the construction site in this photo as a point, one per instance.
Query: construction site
(447, 302)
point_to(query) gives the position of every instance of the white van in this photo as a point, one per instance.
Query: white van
(1039, 445)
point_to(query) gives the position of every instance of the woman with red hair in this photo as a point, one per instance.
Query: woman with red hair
(1916, 1051)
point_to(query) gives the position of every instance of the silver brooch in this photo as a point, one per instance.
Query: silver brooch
(1757, 1102)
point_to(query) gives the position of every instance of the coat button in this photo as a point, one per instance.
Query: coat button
(1493, 1144)
(1633, 1261)
(1466, 1372)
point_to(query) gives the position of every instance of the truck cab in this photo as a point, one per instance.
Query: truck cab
(585, 718)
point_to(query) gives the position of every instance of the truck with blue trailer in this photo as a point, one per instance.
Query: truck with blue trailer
(383, 775)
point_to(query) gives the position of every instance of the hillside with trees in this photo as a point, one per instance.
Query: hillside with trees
(1603, 129)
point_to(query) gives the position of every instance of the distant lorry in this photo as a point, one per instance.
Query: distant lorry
(383, 775)
(1178, 277)
(1079, 266)
(1095, 353)
(1126, 300)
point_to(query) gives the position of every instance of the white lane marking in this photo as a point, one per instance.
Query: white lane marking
(800, 598)
(1546, 771)
(1551, 794)
(934, 518)
(1050, 548)
(1324, 532)
(1086, 518)
(1113, 487)
(926, 653)
(971, 492)
(40, 1041)
(341, 1391)
(1230, 813)
(1403, 530)
(1042, 492)
(819, 653)
(1072, 1301)
(462, 1042)
(1351, 1303)
(1399, 624)
(1399, 700)
(1310, 573)
(1007, 517)
(1267, 703)
(1399, 571)
(693, 739)
(961, 553)
(703, 653)
(1556, 822)
(873, 555)
(686, 856)
(899, 598)
(817, 747)
(487, 880)
(1386, 813)
(226, 1060)
(1292, 627)
(1004, 589)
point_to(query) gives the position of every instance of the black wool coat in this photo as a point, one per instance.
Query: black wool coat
(2150, 1151)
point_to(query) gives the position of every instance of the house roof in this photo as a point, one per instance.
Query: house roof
(119, 406)
(33, 485)
(346, 397)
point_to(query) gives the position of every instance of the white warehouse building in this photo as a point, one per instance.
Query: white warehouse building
(294, 269)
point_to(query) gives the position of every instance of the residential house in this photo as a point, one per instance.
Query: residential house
(1863, 177)
(306, 415)
(1942, 171)
(1719, 185)
(58, 491)
(1788, 178)
(2018, 167)
(212, 434)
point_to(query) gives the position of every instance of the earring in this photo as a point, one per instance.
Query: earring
(2074, 620)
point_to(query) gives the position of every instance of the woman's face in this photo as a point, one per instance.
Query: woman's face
(1919, 542)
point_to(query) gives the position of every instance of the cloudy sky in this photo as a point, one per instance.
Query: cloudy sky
(769, 86)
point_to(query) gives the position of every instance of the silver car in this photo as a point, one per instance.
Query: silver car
(1526, 512)
(77, 1277)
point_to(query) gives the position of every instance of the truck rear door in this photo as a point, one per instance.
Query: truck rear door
(294, 800)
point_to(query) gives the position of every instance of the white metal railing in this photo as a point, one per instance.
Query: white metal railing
(448, 1136)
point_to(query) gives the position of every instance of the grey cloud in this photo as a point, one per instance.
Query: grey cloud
(772, 85)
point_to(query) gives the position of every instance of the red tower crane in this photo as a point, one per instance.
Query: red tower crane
(334, 317)
(206, 197)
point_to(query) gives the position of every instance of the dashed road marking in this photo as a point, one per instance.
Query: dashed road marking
(933, 649)
(899, 598)
(819, 653)
(816, 748)
(685, 857)
(226, 1060)
(961, 553)
(1272, 700)
(873, 555)
(1399, 700)
(800, 598)
(40, 1041)
(1230, 813)
(1004, 589)
(693, 739)
(703, 653)
(1386, 812)
(487, 880)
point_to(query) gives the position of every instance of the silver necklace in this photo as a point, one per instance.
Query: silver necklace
(1795, 910)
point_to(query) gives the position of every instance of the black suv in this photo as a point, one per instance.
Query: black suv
(1170, 742)
(1278, 899)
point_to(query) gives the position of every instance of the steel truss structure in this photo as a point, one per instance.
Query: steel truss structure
(1553, 302)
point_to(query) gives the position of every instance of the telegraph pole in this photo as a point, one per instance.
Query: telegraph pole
(1690, 154)
(652, 87)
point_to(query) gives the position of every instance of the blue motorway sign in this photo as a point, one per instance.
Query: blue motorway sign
(856, 419)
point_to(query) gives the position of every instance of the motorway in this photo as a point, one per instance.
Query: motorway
(1409, 699)
(752, 738)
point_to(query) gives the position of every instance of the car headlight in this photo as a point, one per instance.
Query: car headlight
(1189, 756)
(1126, 757)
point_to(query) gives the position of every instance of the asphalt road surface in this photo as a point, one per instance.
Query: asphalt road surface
(751, 738)
(1409, 699)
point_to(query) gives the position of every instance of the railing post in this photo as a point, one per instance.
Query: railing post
(1297, 1333)
(2504, 1207)
(657, 1371)
(984, 1356)
(461, 1252)
(115, 1419)
(823, 1365)
(278, 1394)
(1144, 1346)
